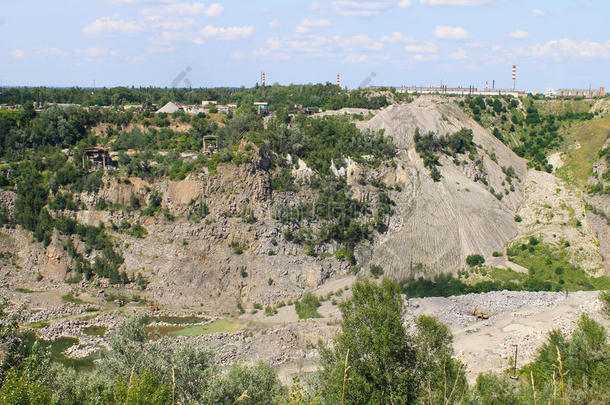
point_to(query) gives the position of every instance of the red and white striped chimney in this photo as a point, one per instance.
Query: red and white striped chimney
(263, 78)
(338, 80)
(514, 75)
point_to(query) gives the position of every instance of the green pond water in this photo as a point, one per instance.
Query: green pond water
(221, 325)
(57, 347)
(176, 320)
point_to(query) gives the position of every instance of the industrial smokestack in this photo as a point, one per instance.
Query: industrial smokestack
(338, 80)
(514, 76)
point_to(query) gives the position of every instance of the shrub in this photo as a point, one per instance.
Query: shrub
(475, 260)
(238, 248)
(270, 310)
(138, 231)
(307, 306)
(376, 270)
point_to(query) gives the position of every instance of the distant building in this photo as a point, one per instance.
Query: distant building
(460, 91)
(208, 103)
(63, 105)
(226, 108)
(169, 108)
(174, 106)
(134, 107)
(299, 109)
(262, 107)
(586, 93)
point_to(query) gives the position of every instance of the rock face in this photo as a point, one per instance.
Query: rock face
(437, 224)
(7, 200)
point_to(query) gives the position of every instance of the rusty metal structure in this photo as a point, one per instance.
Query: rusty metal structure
(97, 156)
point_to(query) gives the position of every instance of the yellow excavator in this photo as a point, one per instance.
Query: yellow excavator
(481, 315)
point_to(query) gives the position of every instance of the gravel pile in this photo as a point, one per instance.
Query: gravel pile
(457, 310)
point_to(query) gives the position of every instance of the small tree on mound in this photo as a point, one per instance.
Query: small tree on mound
(475, 260)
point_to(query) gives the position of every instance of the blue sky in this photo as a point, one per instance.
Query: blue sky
(560, 43)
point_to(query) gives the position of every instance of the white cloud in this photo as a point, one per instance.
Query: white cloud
(307, 24)
(274, 43)
(396, 37)
(238, 55)
(538, 13)
(519, 34)
(427, 47)
(447, 32)
(558, 49)
(359, 8)
(404, 3)
(39, 51)
(136, 59)
(355, 59)
(274, 23)
(112, 24)
(458, 54)
(323, 22)
(190, 9)
(169, 24)
(168, 37)
(50, 50)
(455, 2)
(99, 51)
(362, 41)
(224, 33)
(160, 49)
(316, 5)
(424, 57)
(18, 53)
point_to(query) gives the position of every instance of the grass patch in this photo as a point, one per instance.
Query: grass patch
(591, 136)
(24, 290)
(36, 325)
(307, 307)
(550, 270)
(71, 298)
(548, 267)
(505, 275)
(95, 330)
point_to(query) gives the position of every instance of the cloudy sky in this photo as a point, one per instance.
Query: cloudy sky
(554, 43)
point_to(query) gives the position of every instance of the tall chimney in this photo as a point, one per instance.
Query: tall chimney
(514, 76)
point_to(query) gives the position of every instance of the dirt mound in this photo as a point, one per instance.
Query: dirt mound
(437, 224)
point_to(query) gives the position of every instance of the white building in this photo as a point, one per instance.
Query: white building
(174, 106)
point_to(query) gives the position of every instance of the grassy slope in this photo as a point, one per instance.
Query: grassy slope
(591, 136)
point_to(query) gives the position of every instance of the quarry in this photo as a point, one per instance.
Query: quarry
(230, 283)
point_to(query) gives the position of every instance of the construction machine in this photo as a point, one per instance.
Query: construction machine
(479, 314)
